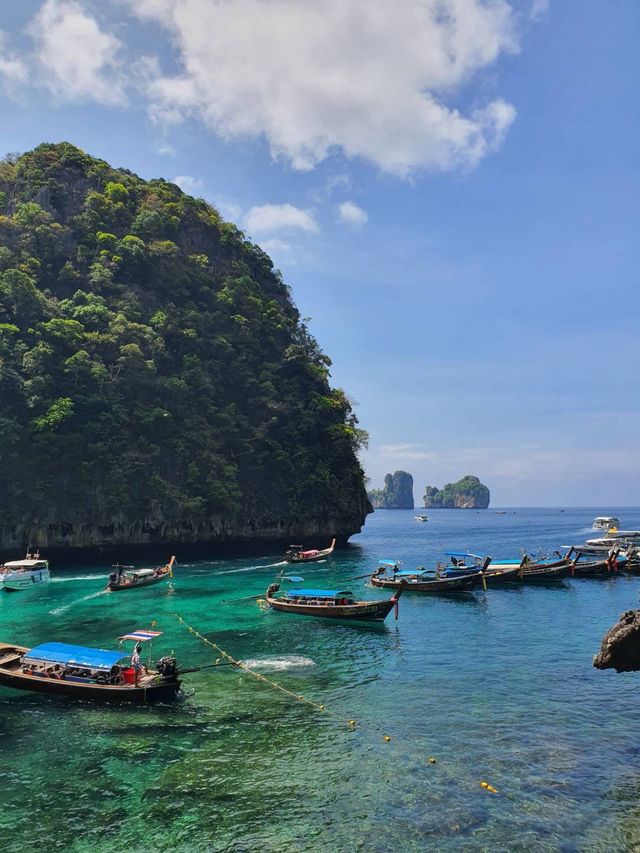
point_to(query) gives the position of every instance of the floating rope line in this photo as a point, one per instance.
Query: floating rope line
(252, 672)
(317, 705)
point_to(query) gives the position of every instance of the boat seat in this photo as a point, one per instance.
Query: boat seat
(9, 658)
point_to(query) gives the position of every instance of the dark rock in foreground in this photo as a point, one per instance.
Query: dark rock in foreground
(620, 649)
(396, 494)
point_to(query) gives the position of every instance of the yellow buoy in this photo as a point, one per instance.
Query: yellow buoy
(386, 738)
(352, 723)
(433, 760)
(484, 784)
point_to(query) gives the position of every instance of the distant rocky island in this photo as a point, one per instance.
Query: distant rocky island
(396, 494)
(467, 493)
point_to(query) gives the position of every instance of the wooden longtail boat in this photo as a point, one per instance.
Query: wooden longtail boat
(330, 604)
(541, 573)
(420, 581)
(138, 578)
(79, 672)
(296, 554)
(610, 567)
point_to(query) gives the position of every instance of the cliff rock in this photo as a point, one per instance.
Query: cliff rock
(467, 493)
(620, 649)
(158, 385)
(396, 494)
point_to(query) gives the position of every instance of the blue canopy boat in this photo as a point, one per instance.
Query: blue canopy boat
(88, 673)
(330, 604)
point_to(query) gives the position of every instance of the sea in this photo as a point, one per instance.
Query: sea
(492, 687)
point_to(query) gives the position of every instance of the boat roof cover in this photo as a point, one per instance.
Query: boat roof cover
(141, 635)
(412, 574)
(291, 578)
(143, 572)
(388, 562)
(64, 653)
(317, 593)
(25, 564)
(462, 554)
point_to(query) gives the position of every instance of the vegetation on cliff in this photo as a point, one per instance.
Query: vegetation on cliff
(396, 494)
(152, 364)
(467, 493)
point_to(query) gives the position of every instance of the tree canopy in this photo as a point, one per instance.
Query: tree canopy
(152, 364)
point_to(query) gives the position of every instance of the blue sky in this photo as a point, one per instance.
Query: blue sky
(450, 187)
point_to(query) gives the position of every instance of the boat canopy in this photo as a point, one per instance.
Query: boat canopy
(143, 573)
(66, 654)
(317, 593)
(388, 562)
(407, 574)
(25, 564)
(141, 635)
(291, 578)
(463, 554)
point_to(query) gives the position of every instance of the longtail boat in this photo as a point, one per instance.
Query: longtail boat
(420, 580)
(330, 604)
(296, 554)
(126, 577)
(80, 672)
(614, 564)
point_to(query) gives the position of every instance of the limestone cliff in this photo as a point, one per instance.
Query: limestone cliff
(396, 494)
(158, 386)
(467, 493)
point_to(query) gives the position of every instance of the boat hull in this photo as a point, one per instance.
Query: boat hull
(545, 574)
(92, 692)
(120, 587)
(367, 611)
(463, 583)
(19, 581)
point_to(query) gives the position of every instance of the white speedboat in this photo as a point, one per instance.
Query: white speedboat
(24, 574)
(421, 518)
(606, 522)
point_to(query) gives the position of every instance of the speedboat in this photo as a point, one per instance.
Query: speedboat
(606, 522)
(18, 575)
(422, 518)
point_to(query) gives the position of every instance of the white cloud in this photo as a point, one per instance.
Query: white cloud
(166, 150)
(538, 9)
(377, 81)
(188, 184)
(13, 71)
(80, 61)
(268, 218)
(352, 214)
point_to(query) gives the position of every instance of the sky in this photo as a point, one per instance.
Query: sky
(450, 187)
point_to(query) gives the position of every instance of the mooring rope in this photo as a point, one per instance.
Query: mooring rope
(300, 698)
(252, 672)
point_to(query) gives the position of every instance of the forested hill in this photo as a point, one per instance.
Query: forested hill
(156, 382)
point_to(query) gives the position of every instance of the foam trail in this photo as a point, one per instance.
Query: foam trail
(278, 663)
(79, 578)
(59, 610)
(252, 568)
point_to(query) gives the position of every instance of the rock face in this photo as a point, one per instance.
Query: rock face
(467, 493)
(396, 494)
(620, 649)
(158, 386)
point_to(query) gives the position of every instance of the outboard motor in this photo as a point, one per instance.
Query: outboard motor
(167, 667)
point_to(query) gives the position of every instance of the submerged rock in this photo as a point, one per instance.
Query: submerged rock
(620, 648)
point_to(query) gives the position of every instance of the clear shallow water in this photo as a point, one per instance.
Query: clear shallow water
(496, 686)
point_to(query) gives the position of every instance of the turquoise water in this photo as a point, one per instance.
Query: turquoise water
(496, 686)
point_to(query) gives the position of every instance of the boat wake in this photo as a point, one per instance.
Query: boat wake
(79, 578)
(278, 663)
(59, 610)
(253, 568)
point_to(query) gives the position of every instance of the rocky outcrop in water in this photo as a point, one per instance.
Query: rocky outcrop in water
(467, 493)
(396, 494)
(620, 648)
